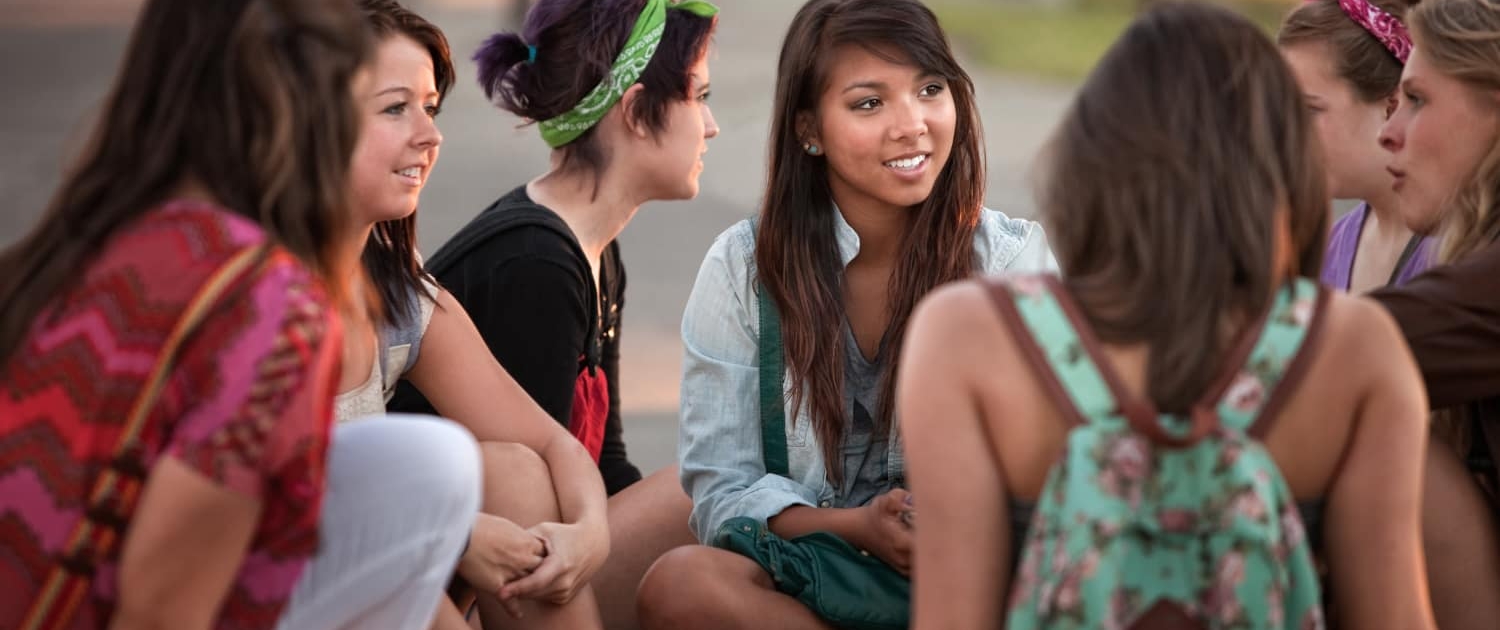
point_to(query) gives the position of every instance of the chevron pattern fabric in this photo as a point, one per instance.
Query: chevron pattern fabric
(248, 404)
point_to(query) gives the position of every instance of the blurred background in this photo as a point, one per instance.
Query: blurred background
(57, 58)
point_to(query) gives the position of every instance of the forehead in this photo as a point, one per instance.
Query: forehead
(850, 64)
(402, 62)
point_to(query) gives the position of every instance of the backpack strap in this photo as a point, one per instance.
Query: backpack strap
(772, 364)
(1062, 354)
(508, 213)
(113, 497)
(1249, 397)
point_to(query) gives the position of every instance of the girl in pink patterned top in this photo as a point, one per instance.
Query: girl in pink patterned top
(225, 141)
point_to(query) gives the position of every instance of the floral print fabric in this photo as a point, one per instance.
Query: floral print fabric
(1126, 524)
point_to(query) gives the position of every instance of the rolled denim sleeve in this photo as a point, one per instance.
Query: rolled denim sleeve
(719, 441)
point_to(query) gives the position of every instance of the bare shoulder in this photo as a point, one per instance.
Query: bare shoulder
(1360, 332)
(959, 324)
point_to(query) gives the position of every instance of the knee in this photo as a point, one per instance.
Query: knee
(447, 458)
(515, 475)
(677, 591)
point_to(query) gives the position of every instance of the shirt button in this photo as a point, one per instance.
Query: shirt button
(824, 504)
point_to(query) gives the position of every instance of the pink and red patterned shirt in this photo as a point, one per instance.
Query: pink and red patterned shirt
(248, 404)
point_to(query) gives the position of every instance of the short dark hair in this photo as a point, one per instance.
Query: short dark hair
(577, 42)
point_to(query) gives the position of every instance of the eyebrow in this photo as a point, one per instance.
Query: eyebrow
(401, 89)
(881, 85)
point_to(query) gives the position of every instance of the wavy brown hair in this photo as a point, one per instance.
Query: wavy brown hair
(249, 98)
(796, 251)
(1164, 187)
(1461, 38)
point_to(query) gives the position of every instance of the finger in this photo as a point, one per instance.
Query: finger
(540, 581)
(512, 607)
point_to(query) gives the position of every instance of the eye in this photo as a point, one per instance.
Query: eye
(933, 89)
(433, 110)
(1414, 99)
(869, 103)
(703, 98)
(395, 110)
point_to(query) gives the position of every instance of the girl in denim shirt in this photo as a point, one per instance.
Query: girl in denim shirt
(874, 198)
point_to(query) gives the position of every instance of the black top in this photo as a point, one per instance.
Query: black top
(519, 272)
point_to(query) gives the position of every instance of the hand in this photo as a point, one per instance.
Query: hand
(887, 533)
(499, 552)
(574, 553)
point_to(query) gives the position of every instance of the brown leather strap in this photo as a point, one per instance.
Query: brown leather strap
(1292, 377)
(1005, 304)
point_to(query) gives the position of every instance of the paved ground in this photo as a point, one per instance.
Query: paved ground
(57, 58)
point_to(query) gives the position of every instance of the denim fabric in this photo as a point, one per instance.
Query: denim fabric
(719, 443)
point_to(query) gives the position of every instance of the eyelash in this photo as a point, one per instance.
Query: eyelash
(1416, 101)
(930, 90)
(400, 108)
(703, 98)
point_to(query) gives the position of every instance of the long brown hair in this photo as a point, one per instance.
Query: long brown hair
(796, 252)
(390, 254)
(1358, 57)
(1165, 183)
(249, 98)
(1461, 38)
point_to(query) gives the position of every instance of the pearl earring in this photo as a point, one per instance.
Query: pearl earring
(812, 149)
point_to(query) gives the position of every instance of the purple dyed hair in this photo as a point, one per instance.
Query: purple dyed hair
(577, 42)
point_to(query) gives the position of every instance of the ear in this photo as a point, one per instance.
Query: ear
(627, 105)
(807, 129)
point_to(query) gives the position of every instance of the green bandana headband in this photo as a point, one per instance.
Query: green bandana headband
(627, 70)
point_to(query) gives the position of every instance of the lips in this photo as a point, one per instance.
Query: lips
(1398, 177)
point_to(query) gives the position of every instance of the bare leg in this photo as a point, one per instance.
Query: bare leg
(518, 486)
(1459, 539)
(703, 587)
(646, 520)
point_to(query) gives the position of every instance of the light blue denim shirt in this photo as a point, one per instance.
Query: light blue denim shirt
(719, 443)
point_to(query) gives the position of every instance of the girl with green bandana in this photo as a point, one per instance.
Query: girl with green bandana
(618, 89)
(874, 197)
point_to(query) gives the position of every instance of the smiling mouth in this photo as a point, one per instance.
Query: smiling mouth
(908, 164)
(414, 172)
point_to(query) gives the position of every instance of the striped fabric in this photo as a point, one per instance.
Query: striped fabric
(248, 404)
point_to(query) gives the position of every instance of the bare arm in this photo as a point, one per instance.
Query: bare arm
(464, 382)
(963, 531)
(457, 373)
(186, 542)
(1373, 530)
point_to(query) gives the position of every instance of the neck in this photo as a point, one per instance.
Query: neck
(880, 227)
(1385, 209)
(352, 247)
(596, 219)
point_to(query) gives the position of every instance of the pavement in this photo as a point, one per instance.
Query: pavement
(58, 57)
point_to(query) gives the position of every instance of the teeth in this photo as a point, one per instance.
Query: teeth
(907, 164)
(410, 172)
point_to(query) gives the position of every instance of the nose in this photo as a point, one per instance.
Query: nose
(1393, 133)
(427, 135)
(910, 122)
(710, 125)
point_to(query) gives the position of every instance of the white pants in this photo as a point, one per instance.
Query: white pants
(402, 495)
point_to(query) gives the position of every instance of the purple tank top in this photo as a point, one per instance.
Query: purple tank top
(1343, 241)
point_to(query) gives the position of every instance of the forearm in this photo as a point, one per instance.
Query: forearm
(580, 489)
(846, 523)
